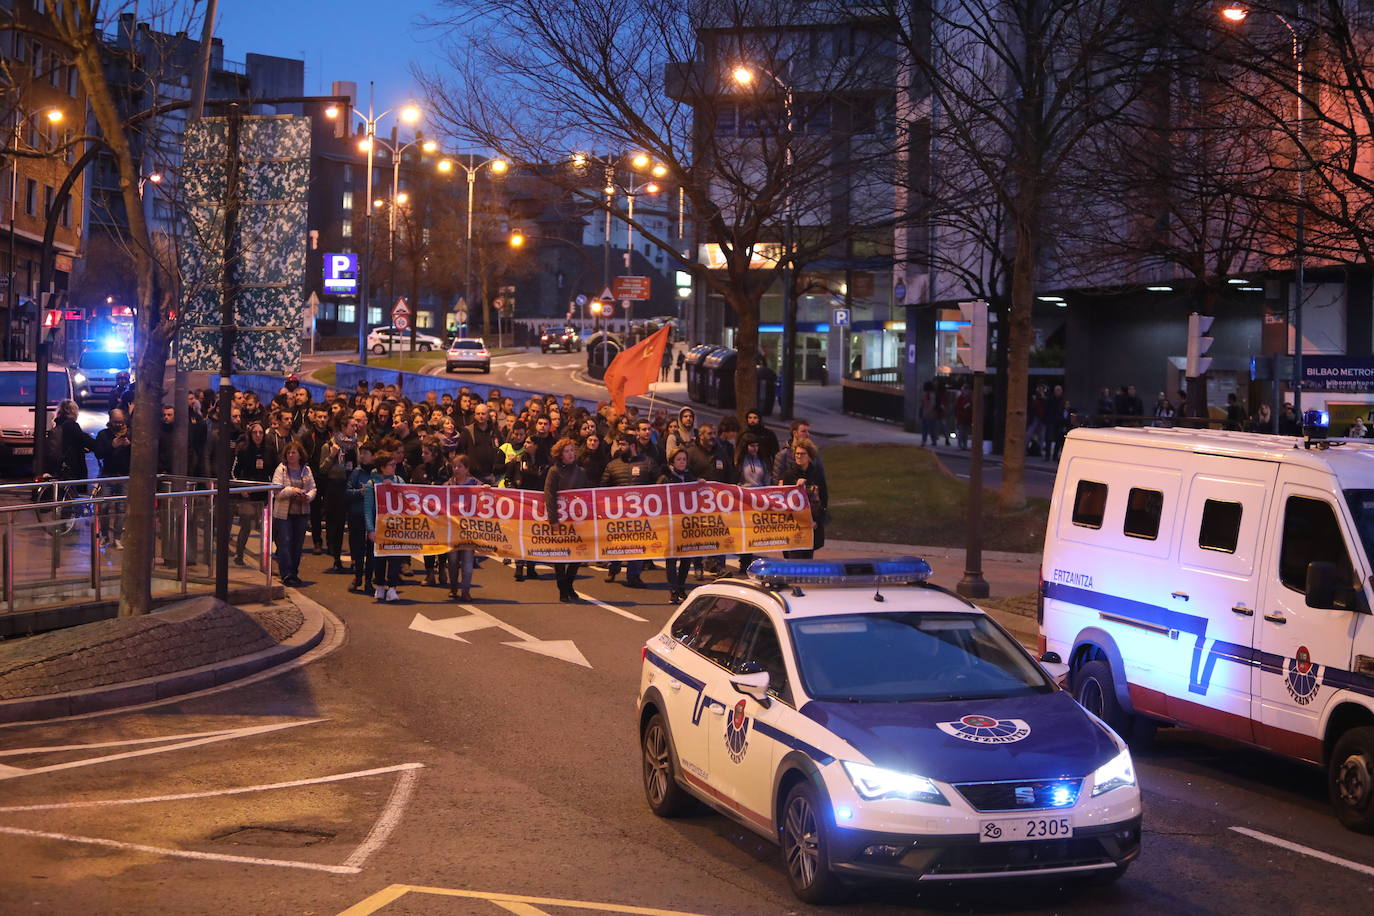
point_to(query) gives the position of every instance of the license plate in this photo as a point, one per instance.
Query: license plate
(1025, 828)
(23, 451)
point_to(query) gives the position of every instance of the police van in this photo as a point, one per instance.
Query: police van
(875, 726)
(1220, 581)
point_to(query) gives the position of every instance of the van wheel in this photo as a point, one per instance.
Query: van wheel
(1095, 691)
(1350, 777)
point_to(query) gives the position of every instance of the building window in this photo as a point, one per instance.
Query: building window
(424, 319)
(47, 200)
(348, 313)
(348, 173)
(66, 211)
(328, 310)
(374, 314)
(348, 201)
(347, 229)
(30, 196)
(71, 81)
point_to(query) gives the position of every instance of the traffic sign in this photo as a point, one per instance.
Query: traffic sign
(631, 287)
(52, 318)
(625, 304)
(461, 315)
(840, 318)
(606, 295)
(400, 308)
(400, 322)
(581, 300)
(74, 315)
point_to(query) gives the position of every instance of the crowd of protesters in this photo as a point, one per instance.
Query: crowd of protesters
(328, 455)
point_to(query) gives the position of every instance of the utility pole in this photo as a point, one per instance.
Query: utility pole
(973, 585)
(229, 291)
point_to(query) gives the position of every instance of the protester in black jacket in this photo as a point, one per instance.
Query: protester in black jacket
(808, 472)
(254, 461)
(628, 468)
(565, 474)
(481, 443)
(678, 472)
(112, 450)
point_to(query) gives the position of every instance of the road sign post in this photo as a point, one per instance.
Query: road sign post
(400, 320)
(973, 585)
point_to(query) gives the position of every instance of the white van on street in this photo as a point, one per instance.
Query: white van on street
(17, 383)
(1220, 581)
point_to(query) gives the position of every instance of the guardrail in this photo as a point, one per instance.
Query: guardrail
(60, 544)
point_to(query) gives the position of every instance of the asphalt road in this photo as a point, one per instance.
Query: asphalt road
(487, 766)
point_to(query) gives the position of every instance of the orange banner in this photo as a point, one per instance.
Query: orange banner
(607, 523)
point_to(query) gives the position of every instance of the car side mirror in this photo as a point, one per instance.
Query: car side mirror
(753, 685)
(1054, 666)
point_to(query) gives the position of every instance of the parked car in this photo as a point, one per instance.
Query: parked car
(565, 339)
(382, 340)
(467, 353)
(93, 376)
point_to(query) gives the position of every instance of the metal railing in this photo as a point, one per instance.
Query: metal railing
(60, 540)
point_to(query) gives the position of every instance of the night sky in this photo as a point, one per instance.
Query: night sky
(356, 40)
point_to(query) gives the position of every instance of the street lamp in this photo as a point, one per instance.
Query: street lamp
(409, 114)
(744, 77)
(638, 162)
(52, 116)
(498, 166)
(1238, 14)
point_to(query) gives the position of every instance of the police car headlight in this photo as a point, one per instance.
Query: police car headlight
(1117, 772)
(78, 378)
(875, 782)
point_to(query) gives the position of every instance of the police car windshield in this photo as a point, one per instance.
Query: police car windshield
(1361, 503)
(888, 658)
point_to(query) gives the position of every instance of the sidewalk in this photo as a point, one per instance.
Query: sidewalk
(184, 648)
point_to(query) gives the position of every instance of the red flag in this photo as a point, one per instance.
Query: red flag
(635, 369)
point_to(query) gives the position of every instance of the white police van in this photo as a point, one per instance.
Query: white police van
(876, 726)
(1220, 581)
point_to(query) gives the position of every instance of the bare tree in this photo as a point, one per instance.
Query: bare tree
(539, 79)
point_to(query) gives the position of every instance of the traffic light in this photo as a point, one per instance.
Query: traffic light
(1198, 344)
(52, 318)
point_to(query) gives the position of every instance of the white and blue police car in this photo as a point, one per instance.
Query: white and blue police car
(877, 726)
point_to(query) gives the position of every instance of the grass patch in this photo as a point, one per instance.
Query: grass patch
(407, 362)
(326, 375)
(899, 494)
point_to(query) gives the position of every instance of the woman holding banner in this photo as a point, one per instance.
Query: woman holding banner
(460, 560)
(753, 471)
(565, 474)
(386, 571)
(807, 471)
(678, 472)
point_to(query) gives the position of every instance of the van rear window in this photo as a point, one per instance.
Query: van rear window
(1220, 528)
(1090, 504)
(1143, 508)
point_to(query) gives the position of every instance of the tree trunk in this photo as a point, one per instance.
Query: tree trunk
(1020, 336)
(76, 22)
(746, 306)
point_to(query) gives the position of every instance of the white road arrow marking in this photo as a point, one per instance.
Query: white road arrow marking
(476, 619)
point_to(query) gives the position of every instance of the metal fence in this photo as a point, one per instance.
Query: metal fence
(61, 544)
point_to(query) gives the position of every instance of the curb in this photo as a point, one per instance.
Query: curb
(176, 683)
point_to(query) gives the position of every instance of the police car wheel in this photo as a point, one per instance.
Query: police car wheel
(666, 798)
(1095, 691)
(806, 848)
(1351, 779)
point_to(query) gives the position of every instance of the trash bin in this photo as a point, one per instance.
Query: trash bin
(693, 364)
(768, 389)
(601, 349)
(677, 375)
(718, 377)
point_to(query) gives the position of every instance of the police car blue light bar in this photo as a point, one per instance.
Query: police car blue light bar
(869, 571)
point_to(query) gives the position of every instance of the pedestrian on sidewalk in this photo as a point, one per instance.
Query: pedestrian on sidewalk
(359, 546)
(963, 416)
(386, 571)
(255, 462)
(678, 472)
(565, 474)
(291, 511)
(666, 363)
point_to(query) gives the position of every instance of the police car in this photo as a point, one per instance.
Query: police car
(877, 726)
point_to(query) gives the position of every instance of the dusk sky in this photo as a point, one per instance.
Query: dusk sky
(353, 40)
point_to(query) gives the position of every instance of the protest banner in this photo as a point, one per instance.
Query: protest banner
(607, 523)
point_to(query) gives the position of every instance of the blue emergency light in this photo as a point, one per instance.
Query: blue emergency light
(866, 571)
(112, 345)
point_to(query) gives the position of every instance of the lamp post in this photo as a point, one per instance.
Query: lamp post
(1238, 14)
(744, 76)
(638, 162)
(409, 114)
(498, 166)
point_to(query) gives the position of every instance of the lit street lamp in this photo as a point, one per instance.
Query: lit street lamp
(1238, 14)
(638, 162)
(744, 77)
(18, 119)
(409, 114)
(498, 166)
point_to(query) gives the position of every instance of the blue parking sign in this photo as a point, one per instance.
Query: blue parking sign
(841, 318)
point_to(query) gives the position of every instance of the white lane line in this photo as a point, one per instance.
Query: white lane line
(390, 818)
(520, 909)
(224, 736)
(179, 853)
(1305, 850)
(612, 608)
(55, 748)
(150, 799)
